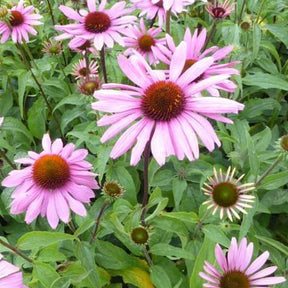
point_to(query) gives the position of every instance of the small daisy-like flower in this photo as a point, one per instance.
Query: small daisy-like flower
(88, 86)
(52, 48)
(54, 181)
(153, 8)
(228, 194)
(162, 108)
(10, 275)
(19, 24)
(139, 235)
(146, 43)
(80, 69)
(102, 26)
(236, 270)
(220, 10)
(113, 189)
(195, 44)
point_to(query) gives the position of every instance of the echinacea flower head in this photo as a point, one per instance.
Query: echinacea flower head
(236, 269)
(146, 43)
(89, 85)
(227, 194)
(153, 8)
(52, 47)
(195, 44)
(162, 109)
(112, 190)
(10, 275)
(139, 235)
(80, 69)
(220, 10)
(102, 26)
(55, 181)
(19, 23)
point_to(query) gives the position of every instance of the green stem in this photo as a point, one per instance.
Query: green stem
(211, 34)
(51, 12)
(64, 74)
(147, 256)
(145, 182)
(267, 172)
(104, 205)
(41, 91)
(15, 250)
(103, 64)
(4, 156)
(27, 49)
(242, 10)
(260, 10)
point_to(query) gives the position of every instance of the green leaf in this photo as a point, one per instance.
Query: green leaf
(87, 259)
(178, 188)
(61, 283)
(69, 116)
(37, 118)
(266, 81)
(163, 249)
(77, 100)
(45, 274)
(39, 239)
(189, 217)
(275, 181)
(159, 277)
(137, 277)
(214, 233)
(22, 82)
(14, 125)
(206, 253)
(275, 244)
(256, 40)
(51, 254)
(105, 251)
(247, 221)
(280, 31)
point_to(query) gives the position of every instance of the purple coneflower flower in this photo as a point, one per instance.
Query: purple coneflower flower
(195, 44)
(227, 194)
(54, 181)
(236, 270)
(162, 109)
(80, 69)
(220, 11)
(19, 26)
(10, 275)
(102, 26)
(146, 43)
(153, 8)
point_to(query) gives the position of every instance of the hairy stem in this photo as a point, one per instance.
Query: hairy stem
(104, 205)
(103, 64)
(267, 172)
(242, 10)
(4, 156)
(15, 250)
(145, 182)
(51, 12)
(41, 90)
(211, 34)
